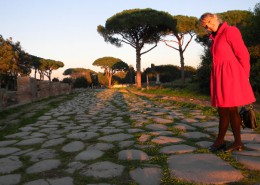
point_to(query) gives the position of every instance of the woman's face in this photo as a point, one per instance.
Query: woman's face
(211, 24)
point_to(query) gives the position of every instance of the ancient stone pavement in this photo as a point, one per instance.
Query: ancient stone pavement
(105, 137)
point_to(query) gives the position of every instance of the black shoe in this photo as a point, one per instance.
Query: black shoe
(235, 147)
(216, 148)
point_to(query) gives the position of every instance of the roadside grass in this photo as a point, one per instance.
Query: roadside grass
(176, 88)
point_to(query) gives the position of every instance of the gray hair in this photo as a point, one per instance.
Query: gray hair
(204, 19)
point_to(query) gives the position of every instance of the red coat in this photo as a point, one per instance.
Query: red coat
(229, 80)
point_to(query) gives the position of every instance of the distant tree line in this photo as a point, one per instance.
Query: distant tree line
(14, 61)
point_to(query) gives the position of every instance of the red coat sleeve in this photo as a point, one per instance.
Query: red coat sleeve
(235, 40)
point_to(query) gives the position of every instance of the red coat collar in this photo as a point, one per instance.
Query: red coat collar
(220, 30)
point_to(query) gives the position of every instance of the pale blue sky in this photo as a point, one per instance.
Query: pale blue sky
(66, 30)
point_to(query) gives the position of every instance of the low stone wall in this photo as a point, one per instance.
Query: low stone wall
(30, 89)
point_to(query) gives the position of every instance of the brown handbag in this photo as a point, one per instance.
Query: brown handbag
(248, 117)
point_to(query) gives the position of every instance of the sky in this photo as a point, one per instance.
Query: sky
(66, 30)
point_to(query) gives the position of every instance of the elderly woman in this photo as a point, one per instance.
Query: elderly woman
(229, 79)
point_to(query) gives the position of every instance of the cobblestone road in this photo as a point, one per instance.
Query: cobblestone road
(105, 137)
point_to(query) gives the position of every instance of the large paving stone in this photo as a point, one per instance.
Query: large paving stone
(35, 135)
(252, 153)
(83, 135)
(8, 150)
(11, 179)
(18, 135)
(63, 118)
(147, 176)
(55, 181)
(7, 142)
(156, 127)
(101, 146)
(177, 149)
(162, 133)
(41, 154)
(61, 181)
(31, 141)
(73, 166)
(189, 120)
(116, 137)
(37, 182)
(90, 154)
(124, 144)
(134, 130)
(204, 144)
(144, 138)
(158, 113)
(9, 164)
(250, 162)
(166, 140)
(250, 138)
(195, 135)
(43, 166)
(28, 128)
(53, 142)
(184, 127)
(162, 121)
(133, 155)
(206, 124)
(253, 146)
(44, 118)
(104, 169)
(22, 152)
(202, 168)
(73, 146)
(110, 130)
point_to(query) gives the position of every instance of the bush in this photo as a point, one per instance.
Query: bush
(80, 82)
(203, 72)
